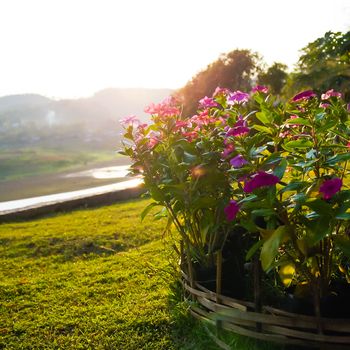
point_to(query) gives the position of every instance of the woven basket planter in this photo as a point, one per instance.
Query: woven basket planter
(263, 322)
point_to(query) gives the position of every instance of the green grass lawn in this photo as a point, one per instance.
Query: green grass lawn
(95, 279)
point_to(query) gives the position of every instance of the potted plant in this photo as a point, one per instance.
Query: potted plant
(272, 175)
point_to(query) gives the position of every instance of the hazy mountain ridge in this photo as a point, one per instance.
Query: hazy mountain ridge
(27, 120)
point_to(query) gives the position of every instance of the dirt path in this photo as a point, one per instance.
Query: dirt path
(55, 183)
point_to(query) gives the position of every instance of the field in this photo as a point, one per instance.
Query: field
(95, 279)
(20, 163)
(34, 172)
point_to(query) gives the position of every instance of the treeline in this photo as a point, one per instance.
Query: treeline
(324, 64)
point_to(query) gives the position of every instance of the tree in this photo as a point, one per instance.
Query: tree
(325, 64)
(233, 70)
(275, 77)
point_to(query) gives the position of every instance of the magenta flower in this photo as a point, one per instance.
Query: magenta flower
(260, 179)
(240, 128)
(260, 88)
(238, 97)
(130, 120)
(304, 95)
(330, 93)
(330, 187)
(228, 150)
(324, 105)
(207, 102)
(238, 161)
(231, 210)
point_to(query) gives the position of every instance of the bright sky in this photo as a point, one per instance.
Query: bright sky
(73, 48)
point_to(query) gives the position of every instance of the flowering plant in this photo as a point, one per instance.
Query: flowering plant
(280, 170)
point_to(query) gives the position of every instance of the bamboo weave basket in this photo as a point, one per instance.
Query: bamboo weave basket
(269, 324)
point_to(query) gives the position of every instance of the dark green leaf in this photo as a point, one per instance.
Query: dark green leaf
(293, 186)
(343, 243)
(280, 168)
(338, 158)
(263, 212)
(320, 207)
(253, 249)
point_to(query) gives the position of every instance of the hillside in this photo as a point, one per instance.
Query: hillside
(34, 120)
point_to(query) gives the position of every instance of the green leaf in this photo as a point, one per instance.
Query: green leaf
(272, 159)
(254, 248)
(286, 273)
(280, 168)
(148, 209)
(263, 212)
(338, 158)
(250, 198)
(189, 158)
(270, 247)
(301, 143)
(343, 216)
(299, 121)
(203, 202)
(320, 207)
(263, 129)
(156, 193)
(317, 229)
(265, 118)
(293, 186)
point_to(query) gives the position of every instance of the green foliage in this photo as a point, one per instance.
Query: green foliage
(325, 64)
(275, 77)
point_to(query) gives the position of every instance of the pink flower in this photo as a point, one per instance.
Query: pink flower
(220, 91)
(130, 120)
(260, 179)
(238, 97)
(330, 93)
(348, 144)
(231, 210)
(203, 118)
(166, 108)
(330, 187)
(260, 88)
(190, 136)
(240, 128)
(207, 102)
(304, 95)
(153, 139)
(182, 124)
(238, 161)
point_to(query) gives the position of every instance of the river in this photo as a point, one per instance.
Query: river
(115, 172)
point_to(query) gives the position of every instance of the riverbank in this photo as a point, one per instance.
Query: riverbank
(59, 182)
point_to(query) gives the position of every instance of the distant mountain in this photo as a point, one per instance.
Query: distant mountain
(22, 101)
(27, 120)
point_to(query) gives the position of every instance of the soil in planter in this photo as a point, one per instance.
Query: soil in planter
(335, 305)
(233, 273)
